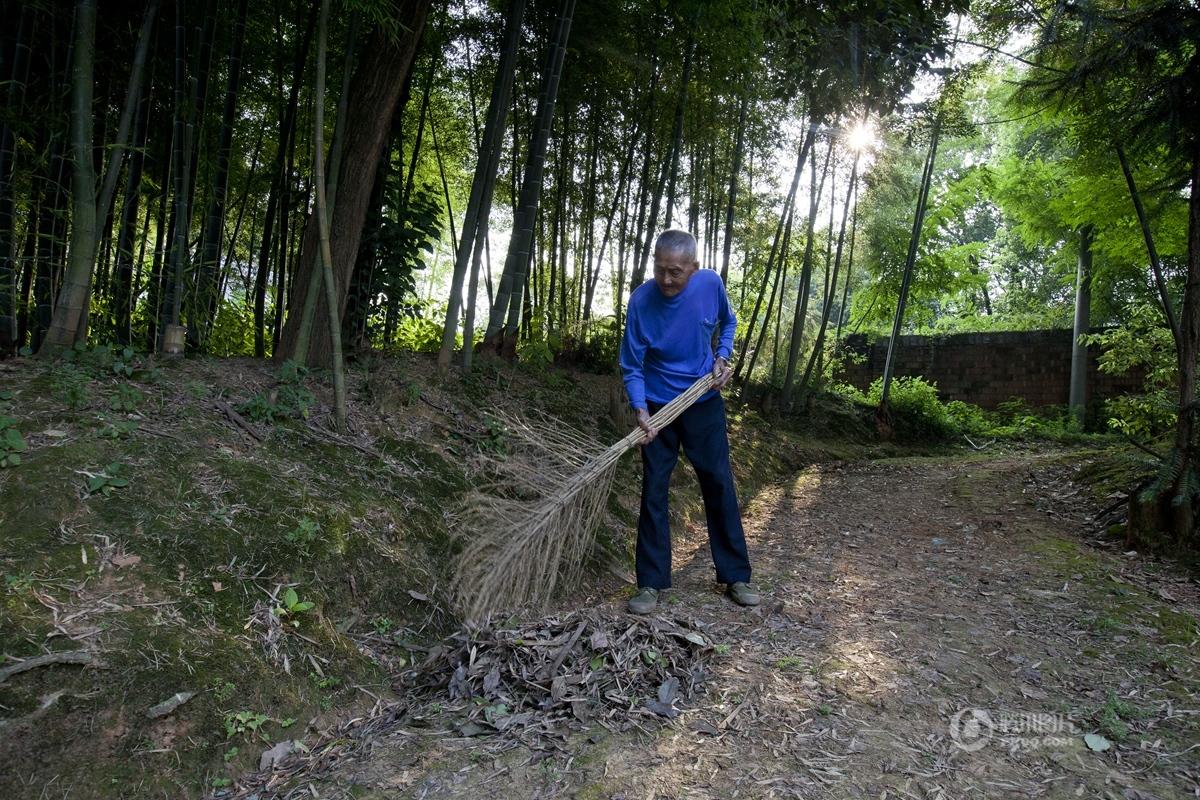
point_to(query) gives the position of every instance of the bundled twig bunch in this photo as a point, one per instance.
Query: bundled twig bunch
(530, 530)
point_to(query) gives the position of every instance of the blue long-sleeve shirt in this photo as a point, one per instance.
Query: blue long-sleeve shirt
(668, 341)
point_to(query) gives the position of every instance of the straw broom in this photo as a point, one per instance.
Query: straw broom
(535, 526)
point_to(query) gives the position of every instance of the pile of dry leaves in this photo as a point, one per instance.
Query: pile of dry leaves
(530, 683)
(561, 673)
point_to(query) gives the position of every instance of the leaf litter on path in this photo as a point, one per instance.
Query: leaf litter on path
(847, 684)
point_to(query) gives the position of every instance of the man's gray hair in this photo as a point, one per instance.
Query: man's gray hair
(678, 241)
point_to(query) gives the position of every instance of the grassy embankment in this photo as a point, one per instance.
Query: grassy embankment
(145, 528)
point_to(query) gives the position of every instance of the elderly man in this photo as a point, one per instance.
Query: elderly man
(668, 344)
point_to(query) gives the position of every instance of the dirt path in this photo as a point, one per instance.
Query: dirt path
(932, 629)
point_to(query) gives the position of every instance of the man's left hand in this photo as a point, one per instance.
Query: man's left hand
(721, 373)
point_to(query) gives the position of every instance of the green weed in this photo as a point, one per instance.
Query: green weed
(245, 723)
(12, 444)
(70, 385)
(111, 477)
(292, 607)
(306, 533)
(289, 399)
(126, 399)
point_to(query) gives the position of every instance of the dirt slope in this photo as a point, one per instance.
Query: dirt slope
(149, 541)
(933, 628)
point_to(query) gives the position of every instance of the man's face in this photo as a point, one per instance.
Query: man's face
(672, 271)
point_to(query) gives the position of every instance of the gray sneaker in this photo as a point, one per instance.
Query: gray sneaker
(645, 601)
(744, 594)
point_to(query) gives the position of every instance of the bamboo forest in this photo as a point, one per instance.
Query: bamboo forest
(348, 350)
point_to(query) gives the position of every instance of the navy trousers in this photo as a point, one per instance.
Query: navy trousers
(701, 431)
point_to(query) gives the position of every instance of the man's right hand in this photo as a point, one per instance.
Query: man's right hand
(643, 421)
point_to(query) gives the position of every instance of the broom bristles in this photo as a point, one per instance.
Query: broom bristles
(530, 530)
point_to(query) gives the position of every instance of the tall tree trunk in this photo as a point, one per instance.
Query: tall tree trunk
(181, 170)
(801, 310)
(51, 228)
(738, 149)
(421, 117)
(510, 294)
(1183, 499)
(214, 218)
(339, 125)
(74, 293)
(1160, 282)
(910, 260)
(437, 154)
(1083, 309)
(831, 287)
(161, 237)
(551, 253)
(677, 134)
(622, 248)
(332, 306)
(639, 272)
(361, 291)
(122, 296)
(17, 78)
(588, 215)
(43, 282)
(479, 204)
(312, 290)
(621, 202)
(642, 228)
(843, 308)
(618, 193)
(565, 155)
(287, 126)
(784, 222)
(26, 287)
(133, 94)
(374, 93)
(779, 267)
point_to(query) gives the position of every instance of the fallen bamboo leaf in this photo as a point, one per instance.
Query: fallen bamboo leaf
(170, 704)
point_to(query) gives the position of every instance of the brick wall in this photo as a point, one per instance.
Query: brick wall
(989, 368)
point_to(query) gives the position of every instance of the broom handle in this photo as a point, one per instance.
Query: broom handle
(665, 416)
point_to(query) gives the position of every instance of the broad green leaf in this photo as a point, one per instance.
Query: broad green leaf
(14, 441)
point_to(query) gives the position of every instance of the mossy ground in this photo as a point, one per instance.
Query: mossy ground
(161, 578)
